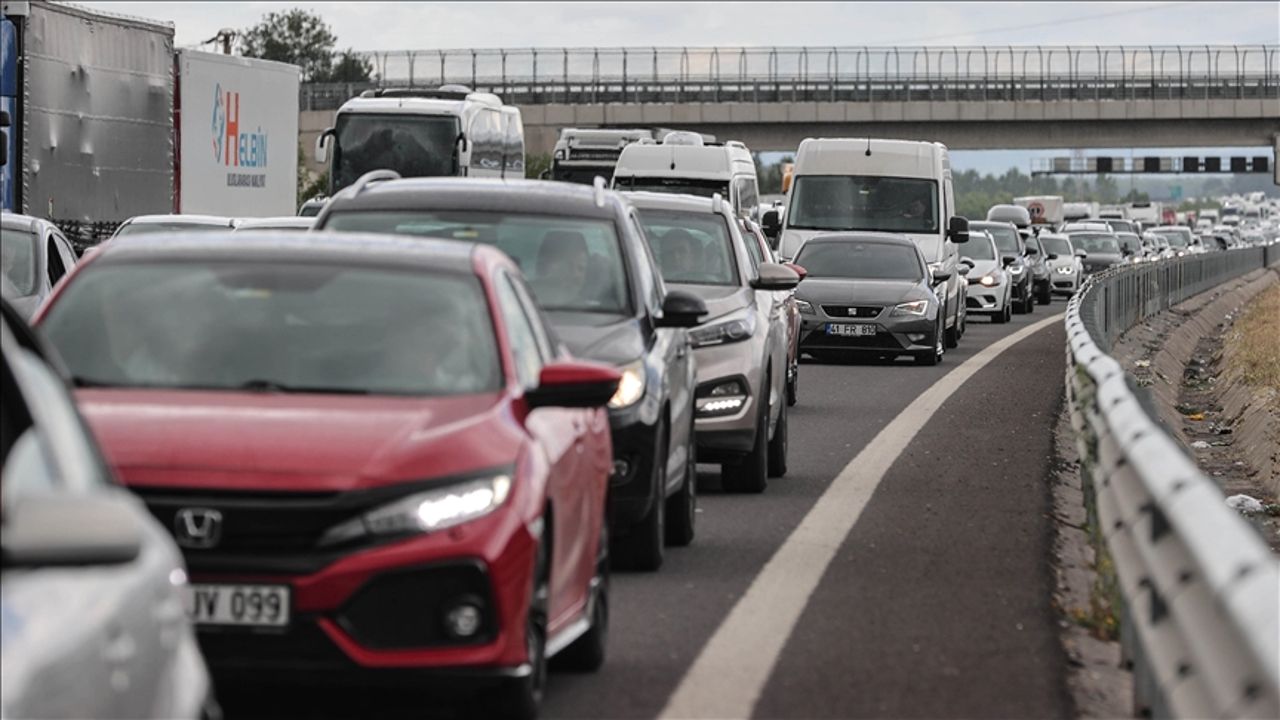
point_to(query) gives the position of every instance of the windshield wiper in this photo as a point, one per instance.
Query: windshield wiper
(261, 385)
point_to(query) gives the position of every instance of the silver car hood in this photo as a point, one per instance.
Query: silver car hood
(720, 299)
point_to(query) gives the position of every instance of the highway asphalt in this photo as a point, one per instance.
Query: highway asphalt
(937, 602)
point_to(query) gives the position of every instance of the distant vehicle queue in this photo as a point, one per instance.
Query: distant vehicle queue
(504, 387)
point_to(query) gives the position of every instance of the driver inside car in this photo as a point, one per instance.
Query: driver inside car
(563, 261)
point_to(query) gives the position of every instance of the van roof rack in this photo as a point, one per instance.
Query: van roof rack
(371, 177)
(445, 92)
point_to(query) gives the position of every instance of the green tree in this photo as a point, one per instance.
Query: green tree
(535, 165)
(297, 37)
(349, 66)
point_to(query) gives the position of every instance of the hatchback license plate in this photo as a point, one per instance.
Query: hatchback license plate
(252, 605)
(851, 329)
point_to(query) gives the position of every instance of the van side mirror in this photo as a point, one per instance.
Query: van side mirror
(1032, 252)
(1081, 253)
(771, 223)
(958, 229)
(322, 146)
(4, 138)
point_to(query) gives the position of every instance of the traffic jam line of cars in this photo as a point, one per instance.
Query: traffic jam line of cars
(408, 446)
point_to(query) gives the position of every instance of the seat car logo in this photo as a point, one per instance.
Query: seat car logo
(197, 527)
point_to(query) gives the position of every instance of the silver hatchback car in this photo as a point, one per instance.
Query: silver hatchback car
(742, 350)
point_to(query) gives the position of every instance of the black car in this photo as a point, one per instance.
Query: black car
(1041, 283)
(582, 252)
(1009, 243)
(869, 294)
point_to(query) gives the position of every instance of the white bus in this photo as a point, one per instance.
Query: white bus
(423, 133)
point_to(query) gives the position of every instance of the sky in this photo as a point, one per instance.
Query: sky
(383, 26)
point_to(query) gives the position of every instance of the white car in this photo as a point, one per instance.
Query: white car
(1063, 260)
(990, 291)
(92, 612)
(34, 256)
(296, 223)
(173, 223)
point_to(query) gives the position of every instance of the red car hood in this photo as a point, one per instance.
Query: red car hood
(295, 442)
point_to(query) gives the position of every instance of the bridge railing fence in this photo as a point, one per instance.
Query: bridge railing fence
(1198, 587)
(857, 74)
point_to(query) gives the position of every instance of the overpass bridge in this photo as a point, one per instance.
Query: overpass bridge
(772, 97)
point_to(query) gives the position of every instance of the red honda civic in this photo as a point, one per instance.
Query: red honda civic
(379, 463)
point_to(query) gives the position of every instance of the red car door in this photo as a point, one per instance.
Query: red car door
(561, 433)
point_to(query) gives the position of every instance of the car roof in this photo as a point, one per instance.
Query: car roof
(284, 221)
(338, 247)
(533, 197)
(672, 201)
(880, 238)
(15, 221)
(188, 219)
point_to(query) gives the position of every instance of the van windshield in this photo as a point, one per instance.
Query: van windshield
(412, 145)
(853, 202)
(674, 185)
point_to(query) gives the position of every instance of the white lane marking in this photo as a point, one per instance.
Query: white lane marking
(726, 679)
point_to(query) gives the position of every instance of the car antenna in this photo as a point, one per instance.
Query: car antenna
(868, 147)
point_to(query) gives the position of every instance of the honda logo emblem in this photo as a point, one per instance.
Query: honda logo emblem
(197, 527)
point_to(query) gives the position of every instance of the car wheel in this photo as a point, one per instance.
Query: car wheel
(750, 474)
(522, 697)
(587, 653)
(951, 335)
(682, 508)
(932, 357)
(1005, 313)
(643, 547)
(1046, 294)
(778, 447)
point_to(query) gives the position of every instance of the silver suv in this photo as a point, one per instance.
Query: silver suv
(741, 350)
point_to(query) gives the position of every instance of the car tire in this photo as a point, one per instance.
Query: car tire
(750, 474)
(521, 698)
(1046, 294)
(682, 508)
(951, 335)
(931, 357)
(587, 653)
(1005, 313)
(643, 548)
(778, 446)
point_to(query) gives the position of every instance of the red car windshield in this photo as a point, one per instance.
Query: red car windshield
(276, 326)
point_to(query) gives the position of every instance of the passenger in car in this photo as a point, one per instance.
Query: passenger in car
(563, 261)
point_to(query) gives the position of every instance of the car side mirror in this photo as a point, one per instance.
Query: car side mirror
(958, 229)
(1032, 252)
(963, 269)
(967, 261)
(940, 276)
(798, 270)
(1081, 253)
(773, 276)
(322, 146)
(58, 529)
(574, 384)
(1051, 256)
(1007, 260)
(681, 309)
(771, 223)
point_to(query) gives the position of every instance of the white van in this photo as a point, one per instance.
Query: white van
(684, 163)
(423, 133)
(893, 186)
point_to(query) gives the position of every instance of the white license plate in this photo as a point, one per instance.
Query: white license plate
(252, 605)
(851, 329)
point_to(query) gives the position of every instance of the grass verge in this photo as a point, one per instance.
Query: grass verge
(1256, 355)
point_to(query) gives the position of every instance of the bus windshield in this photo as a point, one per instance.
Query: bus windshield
(412, 145)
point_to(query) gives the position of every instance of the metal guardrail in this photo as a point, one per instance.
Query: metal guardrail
(1200, 589)
(833, 74)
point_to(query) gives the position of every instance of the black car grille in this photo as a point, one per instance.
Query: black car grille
(584, 155)
(879, 341)
(302, 646)
(275, 532)
(407, 609)
(858, 311)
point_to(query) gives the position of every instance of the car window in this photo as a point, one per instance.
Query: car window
(276, 325)
(1056, 245)
(1096, 243)
(982, 247)
(860, 260)
(747, 198)
(18, 260)
(753, 251)
(53, 263)
(648, 274)
(1006, 237)
(691, 247)
(521, 334)
(571, 264)
(849, 202)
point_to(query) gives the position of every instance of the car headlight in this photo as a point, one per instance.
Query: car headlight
(1065, 269)
(915, 308)
(428, 511)
(630, 387)
(724, 332)
(805, 307)
(723, 398)
(991, 279)
(1017, 268)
